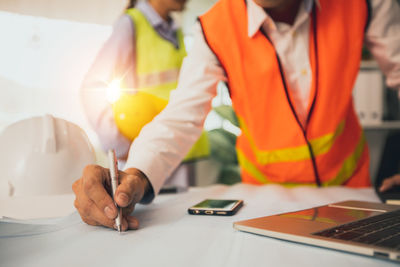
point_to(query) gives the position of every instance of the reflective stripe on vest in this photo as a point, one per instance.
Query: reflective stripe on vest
(319, 145)
(348, 167)
(146, 80)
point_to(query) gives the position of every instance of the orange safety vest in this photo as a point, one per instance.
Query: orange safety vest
(273, 146)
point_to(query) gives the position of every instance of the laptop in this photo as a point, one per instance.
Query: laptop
(360, 227)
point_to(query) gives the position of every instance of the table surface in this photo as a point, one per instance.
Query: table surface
(169, 236)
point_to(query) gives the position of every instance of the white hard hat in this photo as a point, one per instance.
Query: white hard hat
(43, 156)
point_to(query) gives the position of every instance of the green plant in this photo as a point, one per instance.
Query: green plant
(222, 146)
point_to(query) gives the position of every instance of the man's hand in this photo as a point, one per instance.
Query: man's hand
(390, 182)
(93, 199)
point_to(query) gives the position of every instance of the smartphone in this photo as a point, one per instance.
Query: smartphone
(222, 207)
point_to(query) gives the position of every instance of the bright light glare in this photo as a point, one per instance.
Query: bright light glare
(113, 92)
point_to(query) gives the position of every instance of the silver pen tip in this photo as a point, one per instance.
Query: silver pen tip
(119, 228)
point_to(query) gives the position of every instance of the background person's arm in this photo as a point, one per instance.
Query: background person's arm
(114, 61)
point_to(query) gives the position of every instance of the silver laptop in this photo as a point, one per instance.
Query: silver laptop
(360, 227)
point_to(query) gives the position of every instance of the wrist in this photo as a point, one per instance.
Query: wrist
(148, 192)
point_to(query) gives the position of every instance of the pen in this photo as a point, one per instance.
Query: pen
(114, 184)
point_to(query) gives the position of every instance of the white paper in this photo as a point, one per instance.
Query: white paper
(169, 236)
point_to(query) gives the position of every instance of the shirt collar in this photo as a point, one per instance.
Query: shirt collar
(257, 16)
(153, 17)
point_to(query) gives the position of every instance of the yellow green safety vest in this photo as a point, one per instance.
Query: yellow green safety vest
(158, 63)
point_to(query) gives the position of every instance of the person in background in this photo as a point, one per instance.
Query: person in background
(290, 66)
(142, 56)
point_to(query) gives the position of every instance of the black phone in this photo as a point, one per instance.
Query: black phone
(221, 207)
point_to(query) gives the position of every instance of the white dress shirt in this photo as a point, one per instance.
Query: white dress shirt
(163, 143)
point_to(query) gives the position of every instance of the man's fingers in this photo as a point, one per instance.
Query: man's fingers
(94, 203)
(390, 182)
(387, 183)
(98, 216)
(128, 210)
(133, 223)
(130, 190)
(93, 186)
(90, 213)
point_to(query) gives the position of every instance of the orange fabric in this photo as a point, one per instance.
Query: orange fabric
(259, 97)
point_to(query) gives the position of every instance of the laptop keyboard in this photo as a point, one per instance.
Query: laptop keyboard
(380, 230)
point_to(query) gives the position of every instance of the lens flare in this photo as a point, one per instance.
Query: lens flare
(113, 92)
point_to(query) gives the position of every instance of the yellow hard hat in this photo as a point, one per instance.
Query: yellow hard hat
(133, 111)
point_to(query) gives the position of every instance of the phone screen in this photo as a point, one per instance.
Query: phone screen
(216, 204)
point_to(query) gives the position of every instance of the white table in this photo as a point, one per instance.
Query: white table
(169, 236)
